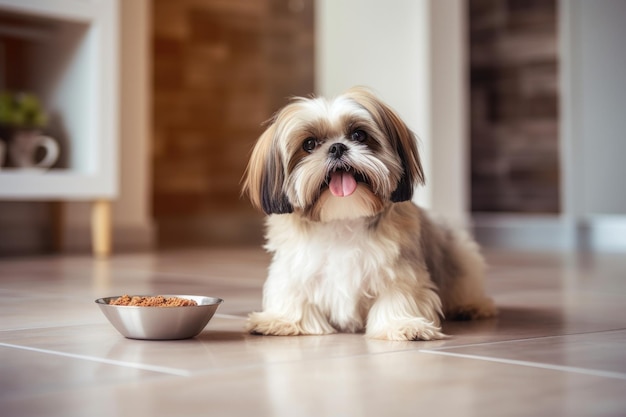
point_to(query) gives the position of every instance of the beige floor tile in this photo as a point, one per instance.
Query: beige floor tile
(598, 352)
(222, 344)
(35, 372)
(555, 349)
(399, 384)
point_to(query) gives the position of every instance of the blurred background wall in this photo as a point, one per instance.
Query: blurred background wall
(592, 122)
(414, 56)
(221, 69)
(518, 105)
(514, 88)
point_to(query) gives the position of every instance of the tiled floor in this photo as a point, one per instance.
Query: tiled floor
(558, 347)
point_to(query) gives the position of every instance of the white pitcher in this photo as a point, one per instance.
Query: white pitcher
(2, 153)
(24, 145)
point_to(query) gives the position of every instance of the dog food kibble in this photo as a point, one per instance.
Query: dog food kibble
(158, 301)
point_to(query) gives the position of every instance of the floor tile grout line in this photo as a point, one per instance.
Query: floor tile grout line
(52, 326)
(525, 339)
(184, 373)
(152, 368)
(529, 364)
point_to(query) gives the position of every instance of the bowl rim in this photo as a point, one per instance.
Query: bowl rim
(104, 301)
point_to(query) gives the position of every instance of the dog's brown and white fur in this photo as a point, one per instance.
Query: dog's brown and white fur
(351, 252)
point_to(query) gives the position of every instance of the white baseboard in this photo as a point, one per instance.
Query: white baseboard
(603, 233)
(526, 232)
(538, 232)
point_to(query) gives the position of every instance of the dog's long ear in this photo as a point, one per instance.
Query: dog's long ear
(401, 138)
(265, 176)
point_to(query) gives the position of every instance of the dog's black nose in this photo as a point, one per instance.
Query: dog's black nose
(337, 149)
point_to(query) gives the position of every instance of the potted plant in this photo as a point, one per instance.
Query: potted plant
(21, 111)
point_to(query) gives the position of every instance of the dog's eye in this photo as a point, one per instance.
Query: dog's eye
(358, 136)
(309, 144)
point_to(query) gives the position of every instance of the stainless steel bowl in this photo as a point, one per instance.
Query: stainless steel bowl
(160, 323)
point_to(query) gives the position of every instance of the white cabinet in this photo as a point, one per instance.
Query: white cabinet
(71, 62)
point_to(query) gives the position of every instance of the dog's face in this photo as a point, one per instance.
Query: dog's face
(333, 160)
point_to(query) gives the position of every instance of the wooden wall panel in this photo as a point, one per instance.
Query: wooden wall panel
(514, 102)
(221, 69)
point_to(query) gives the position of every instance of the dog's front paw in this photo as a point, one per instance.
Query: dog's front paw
(408, 329)
(270, 324)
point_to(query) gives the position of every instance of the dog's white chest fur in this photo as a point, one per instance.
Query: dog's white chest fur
(334, 268)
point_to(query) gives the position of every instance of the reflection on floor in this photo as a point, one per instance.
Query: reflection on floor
(557, 347)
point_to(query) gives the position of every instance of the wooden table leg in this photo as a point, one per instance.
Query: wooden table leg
(101, 228)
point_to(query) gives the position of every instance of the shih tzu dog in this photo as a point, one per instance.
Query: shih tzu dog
(351, 252)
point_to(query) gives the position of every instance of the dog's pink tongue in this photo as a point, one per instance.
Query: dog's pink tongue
(342, 184)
